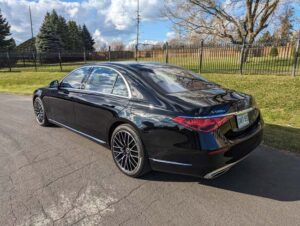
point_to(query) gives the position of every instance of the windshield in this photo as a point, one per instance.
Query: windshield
(172, 79)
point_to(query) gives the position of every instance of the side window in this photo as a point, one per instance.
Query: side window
(120, 87)
(101, 80)
(74, 79)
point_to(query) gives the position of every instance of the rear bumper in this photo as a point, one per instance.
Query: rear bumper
(217, 172)
(200, 163)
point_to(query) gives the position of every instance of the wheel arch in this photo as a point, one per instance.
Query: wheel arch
(117, 123)
(36, 93)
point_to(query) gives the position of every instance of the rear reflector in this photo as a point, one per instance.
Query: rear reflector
(202, 124)
(218, 151)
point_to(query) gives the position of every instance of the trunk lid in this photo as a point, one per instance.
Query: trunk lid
(213, 100)
(217, 102)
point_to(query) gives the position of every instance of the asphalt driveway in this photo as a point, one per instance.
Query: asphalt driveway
(52, 176)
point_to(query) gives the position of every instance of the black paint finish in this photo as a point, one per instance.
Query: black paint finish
(171, 147)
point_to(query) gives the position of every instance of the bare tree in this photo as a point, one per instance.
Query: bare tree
(284, 32)
(117, 46)
(103, 47)
(234, 20)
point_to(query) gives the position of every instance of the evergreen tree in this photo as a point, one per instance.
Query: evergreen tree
(57, 34)
(75, 38)
(5, 44)
(88, 41)
(48, 39)
(63, 32)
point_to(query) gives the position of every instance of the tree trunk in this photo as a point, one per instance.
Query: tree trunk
(246, 53)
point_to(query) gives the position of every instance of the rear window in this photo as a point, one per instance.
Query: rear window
(172, 79)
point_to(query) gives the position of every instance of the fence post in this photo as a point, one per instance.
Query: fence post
(84, 55)
(242, 57)
(109, 59)
(8, 60)
(200, 56)
(23, 59)
(59, 58)
(296, 58)
(34, 60)
(167, 53)
(152, 53)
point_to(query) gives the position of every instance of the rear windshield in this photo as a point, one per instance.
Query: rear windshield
(172, 79)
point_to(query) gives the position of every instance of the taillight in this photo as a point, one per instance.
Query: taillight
(202, 124)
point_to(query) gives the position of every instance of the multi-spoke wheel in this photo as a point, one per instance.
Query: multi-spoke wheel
(39, 112)
(128, 152)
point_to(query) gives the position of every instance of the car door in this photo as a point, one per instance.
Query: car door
(105, 94)
(59, 104)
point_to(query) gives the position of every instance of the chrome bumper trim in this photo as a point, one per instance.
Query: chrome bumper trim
(222, 170)
(170, 162)
(76, 131)
(223, 115)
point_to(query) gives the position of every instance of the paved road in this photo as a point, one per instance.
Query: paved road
(51, 176)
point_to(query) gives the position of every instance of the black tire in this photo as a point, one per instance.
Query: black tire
(39, 111)
(128, 151)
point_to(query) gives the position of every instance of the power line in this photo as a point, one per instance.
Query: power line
(31, 28)
(137, 29)
(30, 22)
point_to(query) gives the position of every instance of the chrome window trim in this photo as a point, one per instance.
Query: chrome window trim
(129, 96)
(76, 131)
(223, 115)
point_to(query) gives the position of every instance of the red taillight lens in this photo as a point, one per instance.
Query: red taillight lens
(202, 124)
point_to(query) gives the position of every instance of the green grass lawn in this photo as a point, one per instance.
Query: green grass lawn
(231, 65)
(277, 96)
(210, 64)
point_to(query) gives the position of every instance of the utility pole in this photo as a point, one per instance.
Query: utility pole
(30, 22)
(137, 29)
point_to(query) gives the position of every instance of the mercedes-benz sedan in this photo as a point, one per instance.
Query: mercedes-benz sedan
(154, 116)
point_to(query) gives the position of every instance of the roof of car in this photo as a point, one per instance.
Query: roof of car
(133, 64)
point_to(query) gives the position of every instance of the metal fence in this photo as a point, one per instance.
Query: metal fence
(222, 58)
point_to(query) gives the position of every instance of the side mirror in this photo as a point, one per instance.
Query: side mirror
(54, 84)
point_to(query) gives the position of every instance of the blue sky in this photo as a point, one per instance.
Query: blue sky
(107, 20)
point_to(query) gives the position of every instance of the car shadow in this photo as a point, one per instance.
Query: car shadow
(266, 173)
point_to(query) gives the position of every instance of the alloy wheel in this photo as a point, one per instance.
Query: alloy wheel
(126, 152)
(39, 111)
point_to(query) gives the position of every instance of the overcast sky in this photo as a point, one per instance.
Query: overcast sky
(107, 20)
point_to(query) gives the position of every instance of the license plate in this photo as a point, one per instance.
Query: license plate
(242, 120)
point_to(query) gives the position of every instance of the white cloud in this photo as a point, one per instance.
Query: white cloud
(170, 35)
(131, 45)
(100, 41)
(16, 28)
(114, 18)
(122, 14)
(119, 14)
(147, 44)
(73, 12)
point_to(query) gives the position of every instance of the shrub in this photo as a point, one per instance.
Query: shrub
(274, 52)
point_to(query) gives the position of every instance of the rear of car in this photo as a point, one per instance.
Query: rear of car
(210, 128)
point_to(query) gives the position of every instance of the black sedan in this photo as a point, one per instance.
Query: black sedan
(154, 116)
